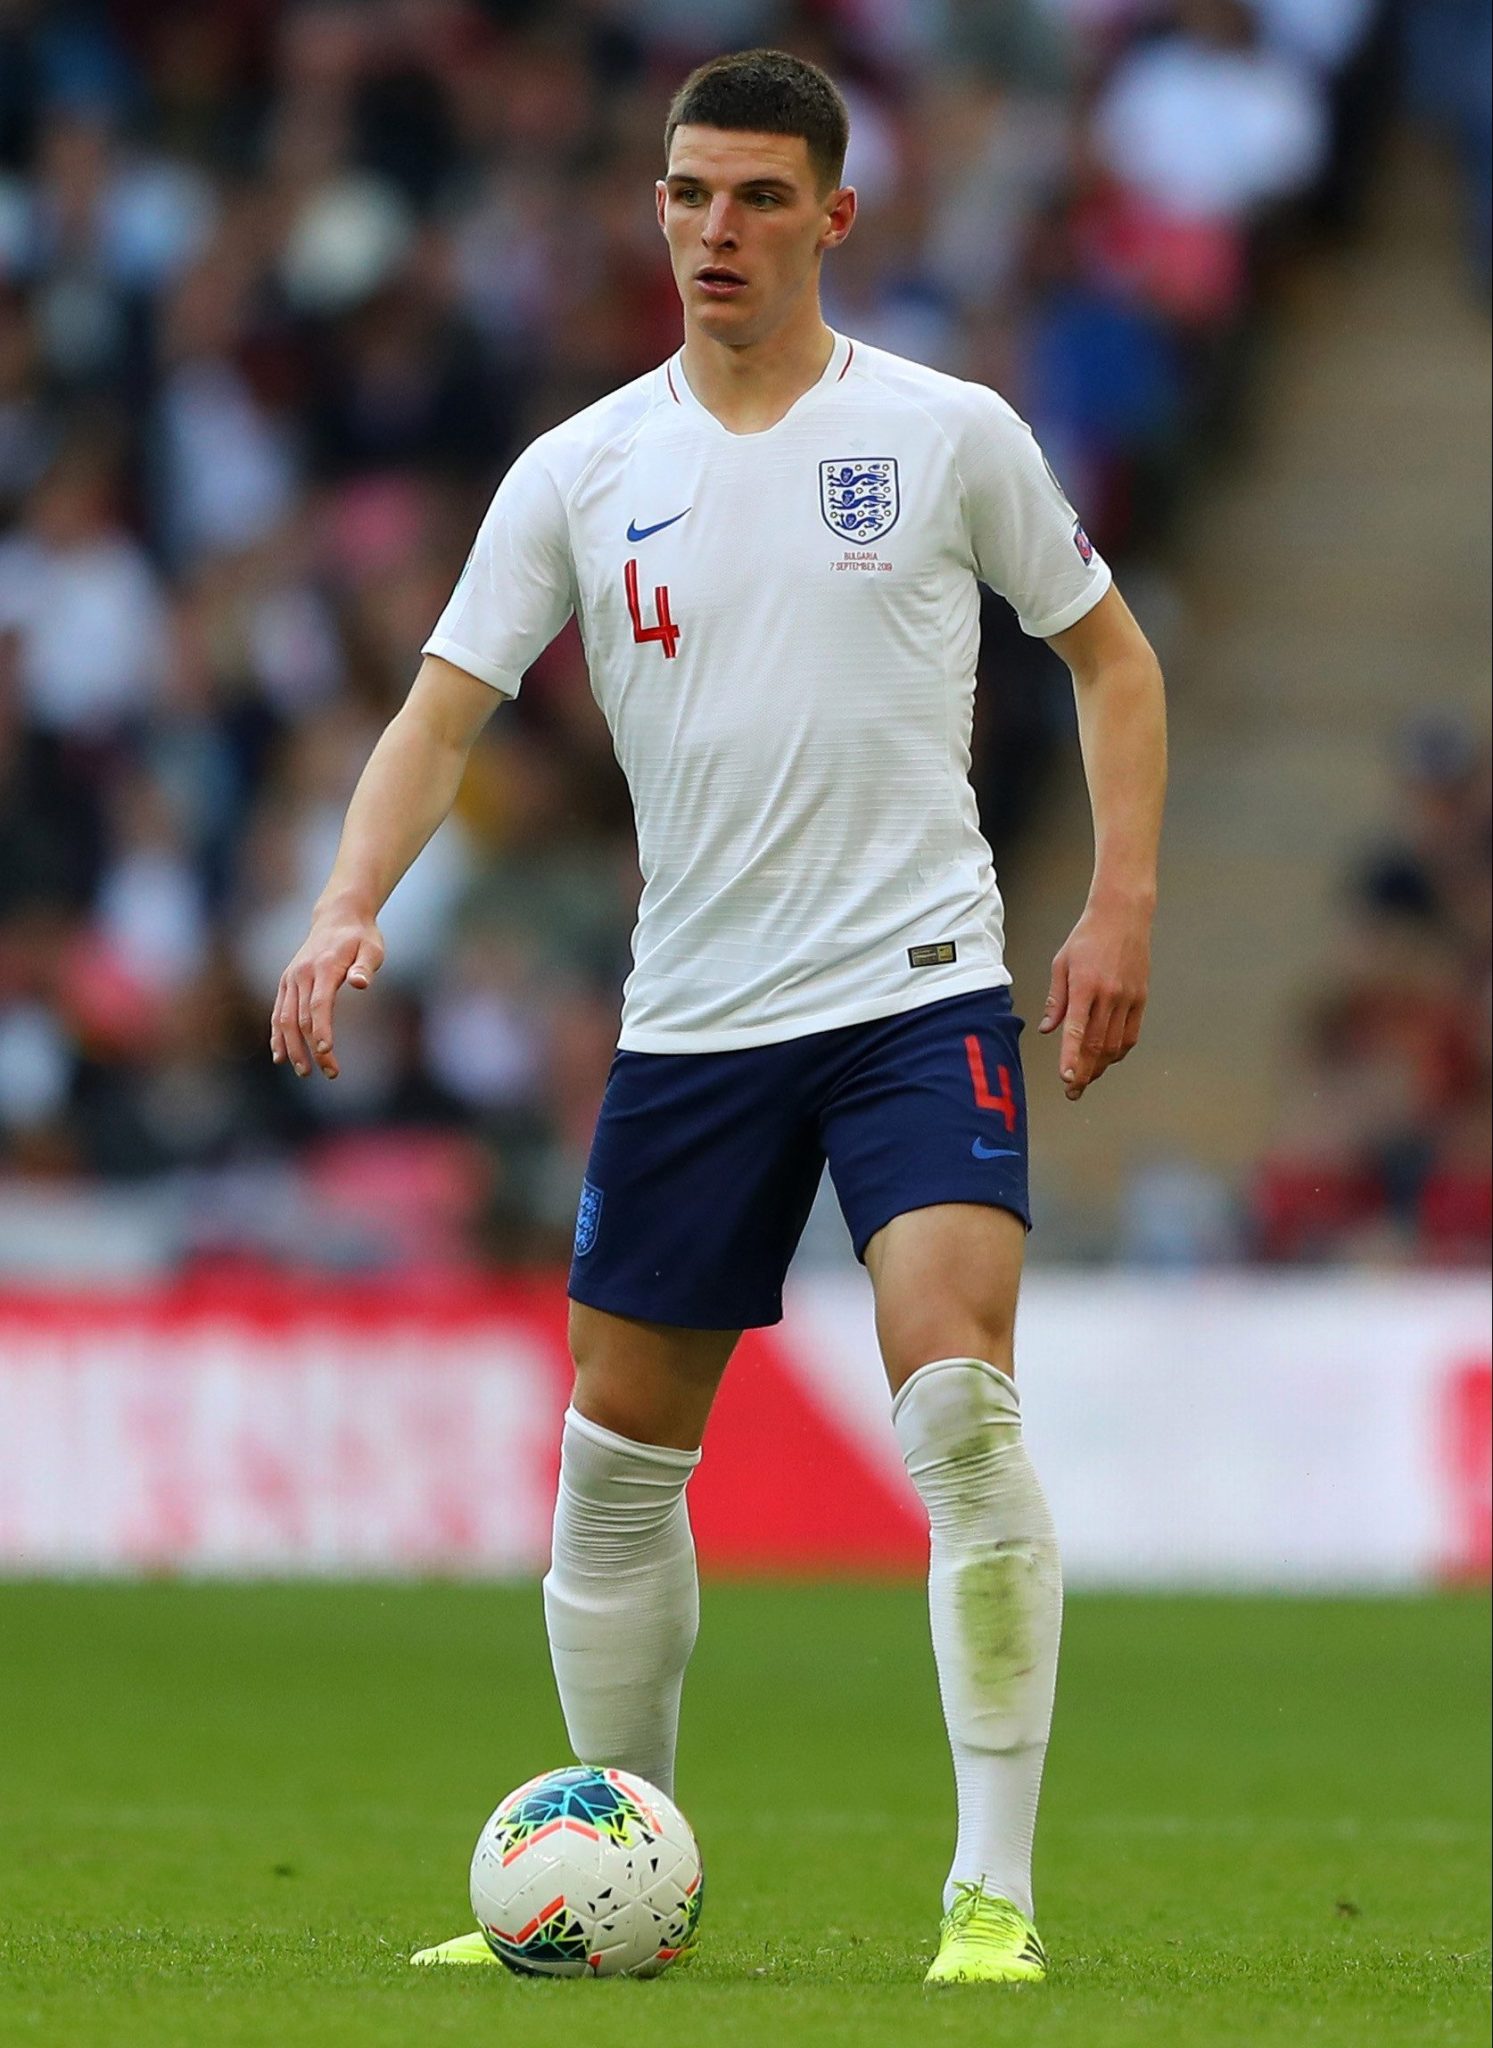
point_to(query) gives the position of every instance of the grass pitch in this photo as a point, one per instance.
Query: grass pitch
(229, 1813)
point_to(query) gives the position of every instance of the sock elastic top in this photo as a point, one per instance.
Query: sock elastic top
(1007, 1397)
(657, 1454)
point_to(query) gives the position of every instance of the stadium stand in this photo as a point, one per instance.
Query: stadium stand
(282, 288)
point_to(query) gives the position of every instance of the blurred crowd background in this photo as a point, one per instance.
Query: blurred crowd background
(282, 290)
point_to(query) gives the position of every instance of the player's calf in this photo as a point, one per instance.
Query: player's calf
(995, 1593)
(621, 1600)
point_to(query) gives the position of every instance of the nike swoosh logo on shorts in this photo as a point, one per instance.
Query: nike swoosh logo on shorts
(983, 1151)
(637, 533)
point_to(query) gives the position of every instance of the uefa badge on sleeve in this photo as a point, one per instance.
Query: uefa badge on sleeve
(1082, 542)
(860, 497)
(587, 1219)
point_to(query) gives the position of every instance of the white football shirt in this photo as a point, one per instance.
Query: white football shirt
(781, 630)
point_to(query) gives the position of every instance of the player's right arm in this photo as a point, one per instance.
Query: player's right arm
(1028, 544)
(403, 794)
(512, 598)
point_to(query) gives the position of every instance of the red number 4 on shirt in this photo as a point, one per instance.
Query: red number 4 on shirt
(665, 632)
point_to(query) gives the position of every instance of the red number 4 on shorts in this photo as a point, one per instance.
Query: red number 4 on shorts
(1005, 1101)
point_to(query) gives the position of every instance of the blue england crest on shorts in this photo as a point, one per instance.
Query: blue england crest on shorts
(587, 1219)
(860, 497)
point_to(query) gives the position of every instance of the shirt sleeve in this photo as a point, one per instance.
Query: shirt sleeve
(1028, 542)
(517, 589)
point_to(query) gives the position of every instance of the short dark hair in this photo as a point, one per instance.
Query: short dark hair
(767, 92)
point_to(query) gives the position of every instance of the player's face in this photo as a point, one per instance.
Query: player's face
(747, 222)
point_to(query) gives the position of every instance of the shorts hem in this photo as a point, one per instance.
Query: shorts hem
(964, 1198)
(674, 1315)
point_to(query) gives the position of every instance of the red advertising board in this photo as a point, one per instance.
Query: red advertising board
(1208, 1430)
(282, 1429)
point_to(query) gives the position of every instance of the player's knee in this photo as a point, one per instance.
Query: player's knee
(916, 1339)
(639, 1385)
(603, 1395)
(660, 1422)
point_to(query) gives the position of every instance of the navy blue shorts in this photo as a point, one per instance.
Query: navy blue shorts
(705, 1165)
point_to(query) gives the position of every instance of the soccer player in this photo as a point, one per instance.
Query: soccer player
(773, 544)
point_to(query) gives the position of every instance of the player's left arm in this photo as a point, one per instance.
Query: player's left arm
(1101, 976)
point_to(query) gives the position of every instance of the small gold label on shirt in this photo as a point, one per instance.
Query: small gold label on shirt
(943, 954)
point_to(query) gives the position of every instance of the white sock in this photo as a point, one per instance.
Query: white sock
(995, 1595)
(621, 1599)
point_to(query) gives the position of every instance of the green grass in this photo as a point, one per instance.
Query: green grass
(228, 1813)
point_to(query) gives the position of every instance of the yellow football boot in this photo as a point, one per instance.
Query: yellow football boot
(985, 1940)
(462, 1948)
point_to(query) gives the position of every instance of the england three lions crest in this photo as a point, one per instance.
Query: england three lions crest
(860, 497)
(587, 1219)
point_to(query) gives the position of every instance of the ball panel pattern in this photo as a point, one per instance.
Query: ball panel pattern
(585, 1872)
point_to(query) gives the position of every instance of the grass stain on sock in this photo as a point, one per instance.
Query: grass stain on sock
(993, 1598)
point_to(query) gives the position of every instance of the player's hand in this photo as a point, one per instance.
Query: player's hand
(342, 946)
(1098, 993)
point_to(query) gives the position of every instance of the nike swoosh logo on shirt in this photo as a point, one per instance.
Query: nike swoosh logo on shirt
(983, 1151)
(636, 532)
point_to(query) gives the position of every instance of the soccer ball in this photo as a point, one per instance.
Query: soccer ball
(586, 1873)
